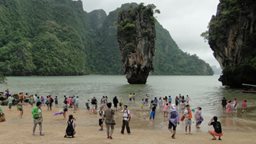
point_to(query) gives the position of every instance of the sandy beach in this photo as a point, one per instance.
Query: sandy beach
(19, 131)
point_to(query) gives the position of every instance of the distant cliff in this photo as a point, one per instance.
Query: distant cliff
(232, 37)
(57, 37)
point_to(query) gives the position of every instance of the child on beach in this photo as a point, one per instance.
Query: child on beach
(217, 128)
(165, 109)
(70, 130)
(38, 117)
(244, 106)
(188, 119)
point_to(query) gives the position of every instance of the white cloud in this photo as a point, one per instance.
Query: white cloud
(184, 19)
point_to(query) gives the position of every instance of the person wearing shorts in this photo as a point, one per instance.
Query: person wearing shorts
(173, 120)
(217, 128)
(188, 119)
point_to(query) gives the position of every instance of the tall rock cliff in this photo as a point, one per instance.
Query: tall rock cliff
(136, 38)
(232, 37)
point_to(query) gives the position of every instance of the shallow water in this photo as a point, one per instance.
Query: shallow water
(205, 91)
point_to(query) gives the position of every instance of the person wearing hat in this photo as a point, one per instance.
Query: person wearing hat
(173, 120)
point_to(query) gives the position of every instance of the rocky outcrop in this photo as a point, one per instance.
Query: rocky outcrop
(232, 37)
(136, 38)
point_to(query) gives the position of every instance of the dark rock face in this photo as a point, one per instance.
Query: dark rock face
(136, 38)
(232, 37)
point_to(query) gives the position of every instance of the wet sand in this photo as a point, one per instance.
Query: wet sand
(19, 131)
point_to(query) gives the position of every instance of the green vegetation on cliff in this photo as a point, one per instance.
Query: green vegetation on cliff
(232, 37)
(56, 37)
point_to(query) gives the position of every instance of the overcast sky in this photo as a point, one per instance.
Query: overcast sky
(184, 19)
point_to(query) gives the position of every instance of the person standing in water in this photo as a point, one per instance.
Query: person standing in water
(224, 102)
(20, 108)
(38, 117)
(198, 117)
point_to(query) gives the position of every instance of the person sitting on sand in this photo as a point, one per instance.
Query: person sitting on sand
(217, 128)
(70, 130)
(38, 117)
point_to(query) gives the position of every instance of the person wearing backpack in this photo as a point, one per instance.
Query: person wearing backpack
(217, 128)
(173, 120)
(126, 120)
(38, 117)
(70, 130)
(109, 120)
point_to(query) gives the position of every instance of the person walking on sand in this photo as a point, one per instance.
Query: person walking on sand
(20, 108)
(10, 102)
(188, 119)
(217, 128)
(126, 120)
(198, 117)
(56, 101)
(109, 120)
(173, 120)
(38, 117)
(115, 102)
(101, 117)
(65, 109)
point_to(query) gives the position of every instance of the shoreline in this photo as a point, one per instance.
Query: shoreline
(16, 130)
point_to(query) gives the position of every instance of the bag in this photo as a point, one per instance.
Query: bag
(70, 129)
(182, 118)
(217, 127)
